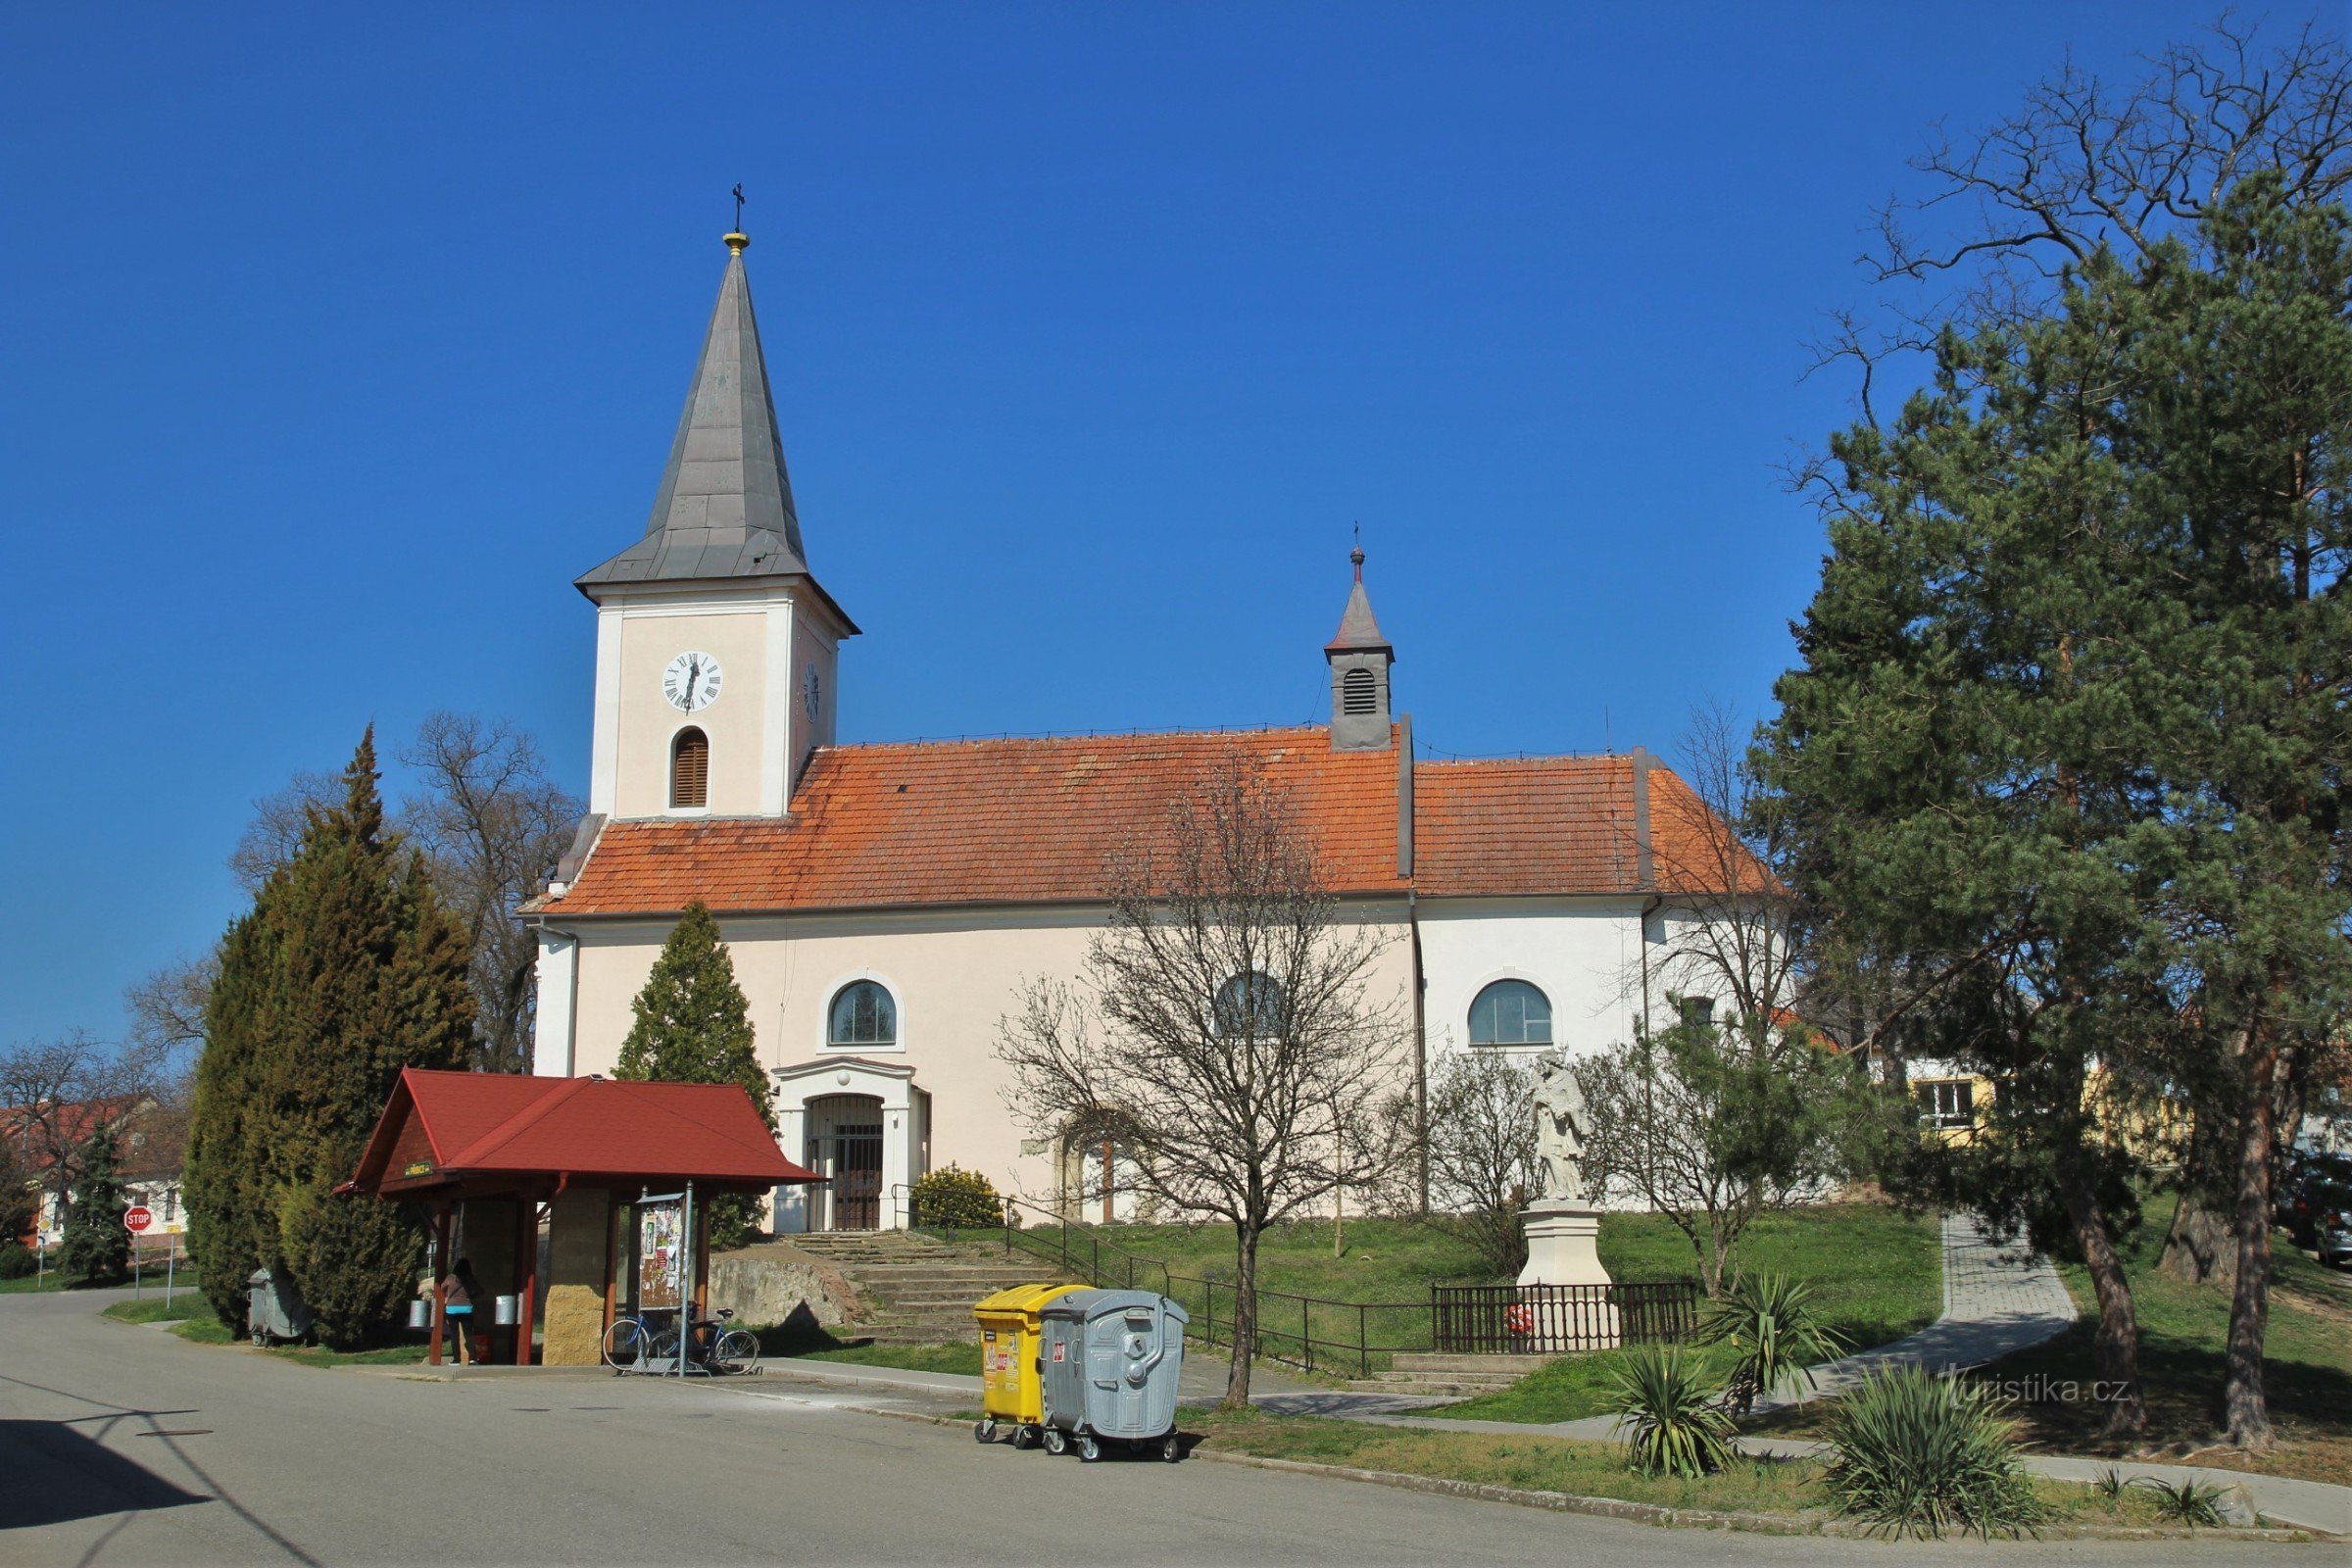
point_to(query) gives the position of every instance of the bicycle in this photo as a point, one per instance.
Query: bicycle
(637, 1343)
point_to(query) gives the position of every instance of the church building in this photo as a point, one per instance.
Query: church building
(884, 903)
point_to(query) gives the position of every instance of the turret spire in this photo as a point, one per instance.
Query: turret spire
(1359, 657)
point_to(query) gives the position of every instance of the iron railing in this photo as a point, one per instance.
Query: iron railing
(1554, 1319)
(1312, 1331)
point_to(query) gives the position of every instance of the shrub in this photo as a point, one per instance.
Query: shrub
(17, 1260)
(2188, 1502)
(952, 1198)
(1769, 1320)
(1916, 1454)
(1676, 1426)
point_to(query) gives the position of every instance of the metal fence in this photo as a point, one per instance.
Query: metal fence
(1553, 1319)
(1311, 1331)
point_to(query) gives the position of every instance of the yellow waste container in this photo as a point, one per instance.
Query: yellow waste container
(1011, 1392)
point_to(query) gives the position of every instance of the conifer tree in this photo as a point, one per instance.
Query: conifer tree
(2069, 742)
(97, 1248)
(346, 970)
(694, 1026)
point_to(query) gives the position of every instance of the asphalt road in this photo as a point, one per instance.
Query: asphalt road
(123, 1444)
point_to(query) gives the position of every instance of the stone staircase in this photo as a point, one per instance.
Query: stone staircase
(1458, 1377)
(918, 1291)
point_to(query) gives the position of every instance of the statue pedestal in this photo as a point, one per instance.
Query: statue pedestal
(1561, 1245)
(1561, 1251)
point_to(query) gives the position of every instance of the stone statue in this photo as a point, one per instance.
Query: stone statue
(1559, 1105)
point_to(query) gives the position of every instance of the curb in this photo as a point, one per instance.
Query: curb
(1649, 1513)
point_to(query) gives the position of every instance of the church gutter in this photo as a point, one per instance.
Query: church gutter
(1412, 922)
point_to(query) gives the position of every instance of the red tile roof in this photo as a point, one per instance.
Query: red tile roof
(1035, 821)
(472, 1125)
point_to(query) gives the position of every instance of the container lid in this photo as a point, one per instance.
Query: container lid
(1088, 1305)
(1022, 1297)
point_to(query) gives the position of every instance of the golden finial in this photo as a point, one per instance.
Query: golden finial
(735, 238)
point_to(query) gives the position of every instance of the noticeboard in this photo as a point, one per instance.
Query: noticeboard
(660, 1262)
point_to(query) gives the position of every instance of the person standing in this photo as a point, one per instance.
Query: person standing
(459, 1287)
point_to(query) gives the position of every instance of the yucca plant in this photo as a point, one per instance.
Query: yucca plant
(2110, 1486)
(1769, 1320)
(1917, 1455)
(2188, 1502)
(1674, 1425)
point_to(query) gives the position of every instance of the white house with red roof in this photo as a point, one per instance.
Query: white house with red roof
(884, 903)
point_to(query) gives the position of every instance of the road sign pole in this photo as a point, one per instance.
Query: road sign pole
(170, 1261)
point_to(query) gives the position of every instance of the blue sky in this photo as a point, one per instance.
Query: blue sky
(337, 341)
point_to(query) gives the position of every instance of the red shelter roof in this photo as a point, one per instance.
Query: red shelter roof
(482, 1131)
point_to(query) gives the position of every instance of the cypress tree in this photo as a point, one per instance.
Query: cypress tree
(97, 1248)
(693, 1025)
(346, 970)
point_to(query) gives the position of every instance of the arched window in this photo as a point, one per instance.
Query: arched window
(862, 1015)
(690, 769)
(1510, 1012)
(1359, 692)
(1250, 1004)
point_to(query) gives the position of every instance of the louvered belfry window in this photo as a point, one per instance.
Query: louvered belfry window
(690, 769)
(1359, 693)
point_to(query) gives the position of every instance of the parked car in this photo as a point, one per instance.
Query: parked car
(2332, 1236)
(2320, 1184)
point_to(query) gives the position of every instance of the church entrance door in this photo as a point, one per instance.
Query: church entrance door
(844, 1145)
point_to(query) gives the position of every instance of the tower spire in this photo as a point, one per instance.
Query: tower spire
(724, 505)
(1360, 658)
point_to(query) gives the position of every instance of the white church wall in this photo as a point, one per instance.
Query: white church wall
(953, 975)
(1577, 952)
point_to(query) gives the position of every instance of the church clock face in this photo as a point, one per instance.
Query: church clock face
(811, 691)
(691, 682)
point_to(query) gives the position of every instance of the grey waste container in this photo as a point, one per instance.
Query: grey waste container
(1109, 1361)
(273, 1310)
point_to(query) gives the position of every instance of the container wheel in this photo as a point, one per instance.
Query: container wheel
(1024, 1437)
(1089, 1449)
(985, 1431)
(1171, 1448)
(1058, 1441)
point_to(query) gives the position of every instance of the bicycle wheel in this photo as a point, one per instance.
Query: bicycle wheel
(662, 1353)
(624, 1345)
(737, 1349)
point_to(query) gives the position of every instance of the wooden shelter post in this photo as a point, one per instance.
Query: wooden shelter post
(526, 1273)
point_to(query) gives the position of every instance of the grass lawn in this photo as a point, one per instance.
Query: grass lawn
(804, 1345)
(2307, 1362)
(2306, 1368)
(1876, 1276)
(193, 1320)
(1584, 1469)
(150, 1308)
(51, 1281)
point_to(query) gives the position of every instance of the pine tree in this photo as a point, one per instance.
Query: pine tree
(346, 970)
(97, 1248)
(2067, 746)
(694, 1026)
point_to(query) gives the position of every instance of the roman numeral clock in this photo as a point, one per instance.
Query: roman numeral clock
(691, 682)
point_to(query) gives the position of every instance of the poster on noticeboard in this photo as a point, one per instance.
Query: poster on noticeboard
(659, 1266)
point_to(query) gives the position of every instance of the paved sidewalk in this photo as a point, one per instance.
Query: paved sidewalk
(1997, 1301)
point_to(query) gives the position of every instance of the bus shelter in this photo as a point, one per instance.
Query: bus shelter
(535, 1182)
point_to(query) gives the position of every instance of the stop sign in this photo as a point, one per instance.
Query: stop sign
(137, 1219)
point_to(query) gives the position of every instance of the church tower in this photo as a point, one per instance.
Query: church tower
(1360, 659)
(714, 646)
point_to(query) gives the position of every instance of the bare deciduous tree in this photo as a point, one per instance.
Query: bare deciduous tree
(1226, 1025)
(491, 826)
(280, 819)
(167, 1009)
(55, 1092)
(1482, 1152)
